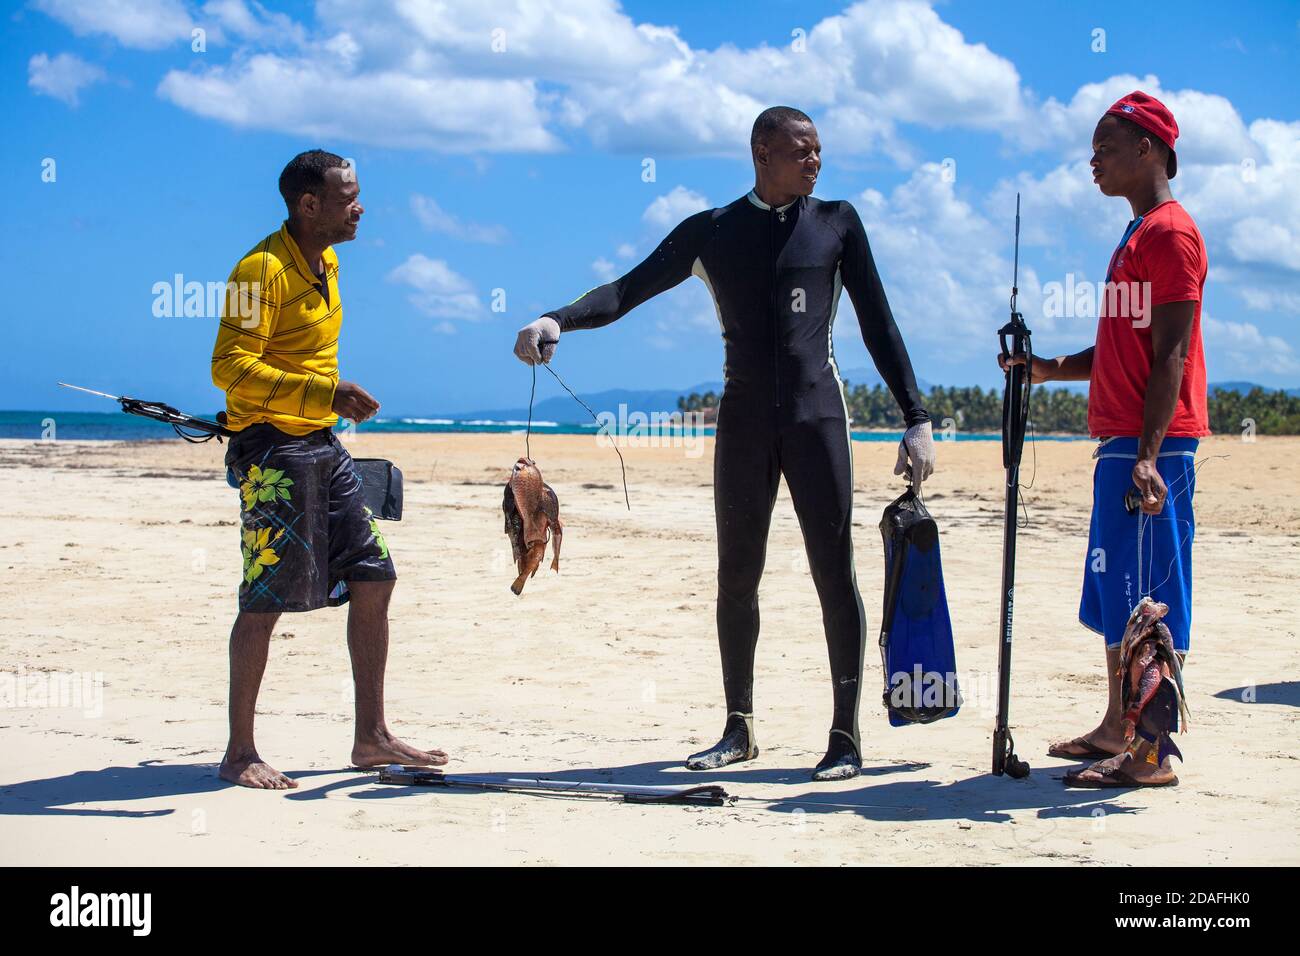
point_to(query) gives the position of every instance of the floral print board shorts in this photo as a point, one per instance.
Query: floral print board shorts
(305, 529)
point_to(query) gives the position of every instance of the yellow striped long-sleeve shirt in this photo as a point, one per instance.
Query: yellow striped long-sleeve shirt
(276, 355)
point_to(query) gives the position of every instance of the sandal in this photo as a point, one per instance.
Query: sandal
(1110, 777)
(1090, 750)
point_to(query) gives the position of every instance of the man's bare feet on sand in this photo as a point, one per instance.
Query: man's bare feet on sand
(383, 749)
(248, 770)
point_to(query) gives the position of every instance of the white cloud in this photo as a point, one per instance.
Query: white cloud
(671, 208)
(605, 270)
(1249, 210)
(1245, 349)
(436, 219)
(318, 97)
(1267, 300)
(425, 76)
(63, 77)
(877, 63)
(236, 16)
(408, 75)
(538, 75)
(1210, 128)
(1059, 207)
(855, 129)
(253, 22)
(439, 290)
(946, 269)
(142, 24)
(1255, 239)
(1280, 141)
(921, 69)
(643, 112)
(565, 40)
(1251, 223)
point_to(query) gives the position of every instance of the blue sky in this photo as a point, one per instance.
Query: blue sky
(521, 170)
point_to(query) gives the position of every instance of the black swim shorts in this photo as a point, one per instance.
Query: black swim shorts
(305, 529)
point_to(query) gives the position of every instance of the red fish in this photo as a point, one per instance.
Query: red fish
(532, 514)
(1147, 659)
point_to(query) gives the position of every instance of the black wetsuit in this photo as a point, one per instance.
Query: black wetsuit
(775, 275)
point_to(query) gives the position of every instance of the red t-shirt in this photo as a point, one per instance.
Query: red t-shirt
(1162, 261)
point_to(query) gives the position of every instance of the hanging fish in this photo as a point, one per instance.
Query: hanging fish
(532, 513)
(1151, 692)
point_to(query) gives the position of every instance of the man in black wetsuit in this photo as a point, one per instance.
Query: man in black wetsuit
(774, 261)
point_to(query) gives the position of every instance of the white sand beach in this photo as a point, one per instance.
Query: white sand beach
(119, 564)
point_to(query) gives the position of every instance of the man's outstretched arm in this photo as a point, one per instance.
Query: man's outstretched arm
(668, 266)
(1064, 368)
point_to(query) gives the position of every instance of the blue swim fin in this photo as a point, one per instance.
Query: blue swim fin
(916, 646)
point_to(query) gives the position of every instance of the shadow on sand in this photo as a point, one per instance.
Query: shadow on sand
(1285, 692)
(149, 779)
(980, 799)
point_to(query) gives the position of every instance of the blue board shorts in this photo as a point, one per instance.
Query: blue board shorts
(1119, 569)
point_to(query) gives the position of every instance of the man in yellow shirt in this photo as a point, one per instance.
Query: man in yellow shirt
(309, 541)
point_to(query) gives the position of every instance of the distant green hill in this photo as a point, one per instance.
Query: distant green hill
(563, 409)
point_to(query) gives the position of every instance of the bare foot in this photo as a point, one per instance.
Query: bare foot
(384, 749)
(249, 770)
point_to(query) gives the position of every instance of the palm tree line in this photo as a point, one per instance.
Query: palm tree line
(1051, 410)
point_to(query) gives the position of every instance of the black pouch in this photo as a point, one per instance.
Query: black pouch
(381, 487)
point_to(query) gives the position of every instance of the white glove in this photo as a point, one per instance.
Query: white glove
(918, 445)
(537, 341)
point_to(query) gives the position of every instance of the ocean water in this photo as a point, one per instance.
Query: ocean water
(118, 426)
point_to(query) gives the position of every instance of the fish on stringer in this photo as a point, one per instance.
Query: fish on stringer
(532, 515)
(1151, 695)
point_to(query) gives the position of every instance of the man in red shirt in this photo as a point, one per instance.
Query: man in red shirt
(1147, 404)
